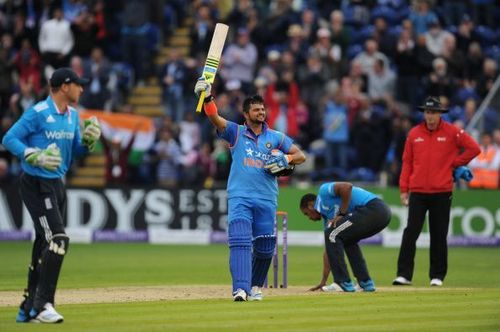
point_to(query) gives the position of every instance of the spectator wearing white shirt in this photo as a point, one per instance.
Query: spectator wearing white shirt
(381, 83)
(55, 40)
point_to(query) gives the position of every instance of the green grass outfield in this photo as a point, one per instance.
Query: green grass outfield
(470, 300)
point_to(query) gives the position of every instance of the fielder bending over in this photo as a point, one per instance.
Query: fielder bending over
(350, 214)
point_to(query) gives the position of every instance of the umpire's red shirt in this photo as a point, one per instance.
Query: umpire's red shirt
(429, 157)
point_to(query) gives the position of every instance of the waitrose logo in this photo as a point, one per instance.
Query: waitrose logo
(59, 134)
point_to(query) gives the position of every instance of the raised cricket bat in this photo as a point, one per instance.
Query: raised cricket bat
(213, 58)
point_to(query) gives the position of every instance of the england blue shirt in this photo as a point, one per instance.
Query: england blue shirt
(248, 177)
(328, 203)
(40, 126)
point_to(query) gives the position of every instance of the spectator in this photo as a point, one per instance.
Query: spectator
(369, 55)
(406, 59)
(134, 38)
(84, 30)
(336, 131)
(424, 57)
(421, 15)
(239, 15)
(282, 100)
(385, 40)
(55, 40)
(330, 54)
(201, 32)
(487, 77)
(473, 62)
(453, 57)
(340, 33)
(439, 80)
(172, 78)
(28, 65)
(486, 166)
(381, 83)
(117, 155)
(297, 44)
(435, 38)
(168, 155)
(466, 34)
(240, 59)
(98, 69)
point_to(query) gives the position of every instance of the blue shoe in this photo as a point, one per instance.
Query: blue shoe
(368, 285)
(347, 286)
(22, 316)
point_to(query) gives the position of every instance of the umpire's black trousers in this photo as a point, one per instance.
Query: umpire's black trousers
(438, 205)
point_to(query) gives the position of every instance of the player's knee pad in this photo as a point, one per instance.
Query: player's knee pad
(59, 244)
(240, 233)
(263, 246)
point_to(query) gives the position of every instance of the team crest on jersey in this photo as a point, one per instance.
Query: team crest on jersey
(268, 145)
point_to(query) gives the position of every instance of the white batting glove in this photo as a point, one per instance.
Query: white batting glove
(91, 132)
(202, 85)
(49, 159)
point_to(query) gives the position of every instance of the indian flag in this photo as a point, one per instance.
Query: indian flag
(123, 125)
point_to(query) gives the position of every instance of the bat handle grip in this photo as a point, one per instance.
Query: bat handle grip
(200, 102)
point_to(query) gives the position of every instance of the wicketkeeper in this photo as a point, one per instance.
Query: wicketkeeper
(259, 154)
(46, 139)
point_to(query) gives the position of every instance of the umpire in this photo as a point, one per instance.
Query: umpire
(45, 139)
(433, 150)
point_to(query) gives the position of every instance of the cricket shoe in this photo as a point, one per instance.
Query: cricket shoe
(401, 281)
(436, 282)
(23, 315)
(344, 286)
(240, 295)
(255, 294)
(367, 285)
(48, 315)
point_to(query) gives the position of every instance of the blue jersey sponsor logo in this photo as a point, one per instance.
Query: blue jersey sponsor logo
(53, 134)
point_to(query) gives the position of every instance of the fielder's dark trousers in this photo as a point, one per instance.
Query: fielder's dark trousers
(438, 205)
(45, 200)
(364, 222)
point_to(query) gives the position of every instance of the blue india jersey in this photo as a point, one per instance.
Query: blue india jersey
(248, 177)
(40, 126)
(328, 203)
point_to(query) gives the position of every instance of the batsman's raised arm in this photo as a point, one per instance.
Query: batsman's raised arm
(209, 104)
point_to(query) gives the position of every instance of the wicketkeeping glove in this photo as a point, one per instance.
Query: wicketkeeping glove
(91, 132)
(278, 164)
(202, 85)
(462, 172)
(49, 159)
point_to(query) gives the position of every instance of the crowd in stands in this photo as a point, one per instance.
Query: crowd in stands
(342, 78)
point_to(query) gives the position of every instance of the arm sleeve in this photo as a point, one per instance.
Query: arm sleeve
(407, 167)
(285, 143)
(470, 148)
(16, 137)
(327, 189)
(229, 134)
